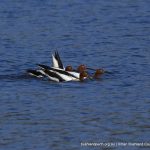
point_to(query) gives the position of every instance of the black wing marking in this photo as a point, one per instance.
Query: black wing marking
(60, 64)
(34, 72)
(63, 72)
(54, 75)
(44, 66)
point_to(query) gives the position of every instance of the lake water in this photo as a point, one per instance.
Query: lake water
(41, 115)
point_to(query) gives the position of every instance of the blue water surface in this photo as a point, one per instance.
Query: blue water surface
(42, 115)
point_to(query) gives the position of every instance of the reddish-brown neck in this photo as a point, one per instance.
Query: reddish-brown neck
(81, 68)
(98, 73)
(69, 68)
(83, 75)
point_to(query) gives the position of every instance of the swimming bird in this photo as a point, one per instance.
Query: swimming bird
(57, 64)
(59, 73)
(68, 71)
(60, 76)
(58, 70)
(98, 73)
(82, 67)
(51, 74)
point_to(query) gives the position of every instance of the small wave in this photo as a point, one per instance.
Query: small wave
(14, 76)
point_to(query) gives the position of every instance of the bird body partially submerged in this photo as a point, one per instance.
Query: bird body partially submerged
(59, 73)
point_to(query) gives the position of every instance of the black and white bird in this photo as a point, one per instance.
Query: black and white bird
(58, 72)
(65, 75)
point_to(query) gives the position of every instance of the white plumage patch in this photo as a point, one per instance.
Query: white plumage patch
(54, 62)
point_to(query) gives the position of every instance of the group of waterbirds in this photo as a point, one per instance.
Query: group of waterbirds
(58, 73)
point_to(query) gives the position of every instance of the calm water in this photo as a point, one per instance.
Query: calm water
(40, 115)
